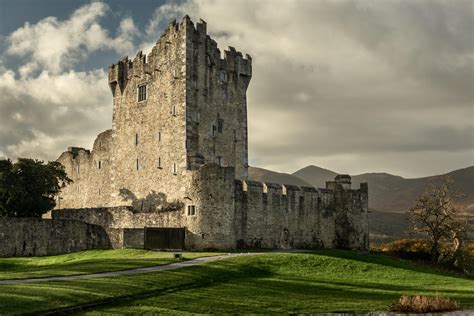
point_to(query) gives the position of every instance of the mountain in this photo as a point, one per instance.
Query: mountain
(390, 193)
(317, 176)
(264, 175)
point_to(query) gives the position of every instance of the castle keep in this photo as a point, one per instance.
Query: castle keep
(173, 168)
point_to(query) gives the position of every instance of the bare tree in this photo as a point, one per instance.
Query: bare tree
(436, 216)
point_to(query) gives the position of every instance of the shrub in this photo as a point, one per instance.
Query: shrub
(423, 304)
(413, 249)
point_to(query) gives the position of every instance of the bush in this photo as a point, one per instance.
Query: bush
(413, 249)
(424, 304)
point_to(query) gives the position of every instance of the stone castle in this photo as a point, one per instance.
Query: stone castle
(177, 158)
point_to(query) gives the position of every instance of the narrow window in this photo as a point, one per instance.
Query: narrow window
(198, 117)
(174, 168)
(191, 210)
(136, 139)
(173, 110)
(142, 92)
(220, 161)
(214, 129)
(137, 164)
(77, 169)
(223, 76)
(220, 125)
(99, 164)
(159, 162)
(159, 136)
(99, 191)
(235, 135)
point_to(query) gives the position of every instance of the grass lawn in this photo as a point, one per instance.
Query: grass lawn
(321, 281)
(86, 262)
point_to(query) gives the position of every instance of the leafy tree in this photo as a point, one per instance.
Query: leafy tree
(436, 216)
(28, 187)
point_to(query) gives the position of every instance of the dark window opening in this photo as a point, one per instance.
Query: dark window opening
(99, 164)
(137, 165)
(136, 139)
(191, 210)
(220, 161)
(159, 162)
(220, 125)
(142, 92)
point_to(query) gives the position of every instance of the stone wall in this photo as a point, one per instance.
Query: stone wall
(284, 216)
(210, 191)
(41, 237)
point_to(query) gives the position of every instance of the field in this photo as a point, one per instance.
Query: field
(320, 281)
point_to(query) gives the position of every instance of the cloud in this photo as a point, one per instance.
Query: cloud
(45, 104)
(55, 45)
(44, 115)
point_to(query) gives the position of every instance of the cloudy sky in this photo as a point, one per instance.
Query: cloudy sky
(352, 86)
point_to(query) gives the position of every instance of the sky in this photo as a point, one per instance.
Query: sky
(351, 86)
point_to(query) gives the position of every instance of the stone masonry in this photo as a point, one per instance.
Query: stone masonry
(177, 156)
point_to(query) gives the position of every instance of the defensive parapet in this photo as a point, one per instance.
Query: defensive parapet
(287, 216)
(233, 62)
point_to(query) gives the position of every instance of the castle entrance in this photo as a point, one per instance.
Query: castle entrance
(164, 238)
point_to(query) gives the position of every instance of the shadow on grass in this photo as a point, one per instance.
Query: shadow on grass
(204, 277)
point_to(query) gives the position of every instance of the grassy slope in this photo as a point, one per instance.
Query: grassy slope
(289, 283)
(86, 262)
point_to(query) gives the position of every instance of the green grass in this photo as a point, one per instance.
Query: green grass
(86, 262)
(322, 281)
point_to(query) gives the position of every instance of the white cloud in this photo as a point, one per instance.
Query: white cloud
(56, 45)
(45, 104)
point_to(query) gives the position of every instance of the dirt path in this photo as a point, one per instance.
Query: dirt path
(171, 266)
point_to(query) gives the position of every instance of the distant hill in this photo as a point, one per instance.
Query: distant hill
(389, 195)
(264, 175)
(317, 176)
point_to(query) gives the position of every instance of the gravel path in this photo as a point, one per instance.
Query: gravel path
(171, 266)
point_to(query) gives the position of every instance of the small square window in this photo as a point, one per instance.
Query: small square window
(142, 92)
(191, 210)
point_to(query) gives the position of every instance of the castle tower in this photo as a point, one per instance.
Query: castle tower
(178, 108)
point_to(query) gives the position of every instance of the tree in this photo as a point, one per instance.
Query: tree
(436, 216)
(28, 187)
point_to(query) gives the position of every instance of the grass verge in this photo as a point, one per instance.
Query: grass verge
(87, 262)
